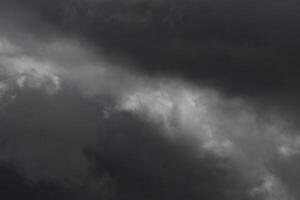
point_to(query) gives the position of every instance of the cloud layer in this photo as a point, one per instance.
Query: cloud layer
(148, 100)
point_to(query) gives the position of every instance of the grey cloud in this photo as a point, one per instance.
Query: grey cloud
(161, 124)
(102, 117)
(72, 137)
(242, 47)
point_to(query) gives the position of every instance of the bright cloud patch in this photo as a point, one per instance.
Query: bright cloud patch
(24, 71)
(230, 128)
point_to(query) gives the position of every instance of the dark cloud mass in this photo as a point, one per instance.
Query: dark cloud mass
(68, 151)
(149, 100)
(244, 46)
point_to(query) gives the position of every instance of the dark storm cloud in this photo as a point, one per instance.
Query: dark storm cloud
(241, 46)
(149, 166)
(83, 128)
(68, 150)
(100, 99)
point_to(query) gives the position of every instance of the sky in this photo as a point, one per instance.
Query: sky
(149, 100)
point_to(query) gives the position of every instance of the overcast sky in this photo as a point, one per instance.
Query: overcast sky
(149, 100)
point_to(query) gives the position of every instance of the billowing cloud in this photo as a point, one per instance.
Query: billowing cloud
(60, 100)
(147, 100)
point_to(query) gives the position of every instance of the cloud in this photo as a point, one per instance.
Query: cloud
(272, 189)
(66, 125)
(74, 119)
(244, 48)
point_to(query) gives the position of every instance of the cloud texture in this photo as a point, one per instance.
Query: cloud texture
(149, 100)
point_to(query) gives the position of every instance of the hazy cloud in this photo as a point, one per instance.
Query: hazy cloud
(149, 100)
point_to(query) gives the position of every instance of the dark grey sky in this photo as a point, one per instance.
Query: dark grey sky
(241, 45)
(149, 99)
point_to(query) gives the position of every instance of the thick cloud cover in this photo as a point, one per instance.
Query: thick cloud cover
(244, 46)
(109, 99)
